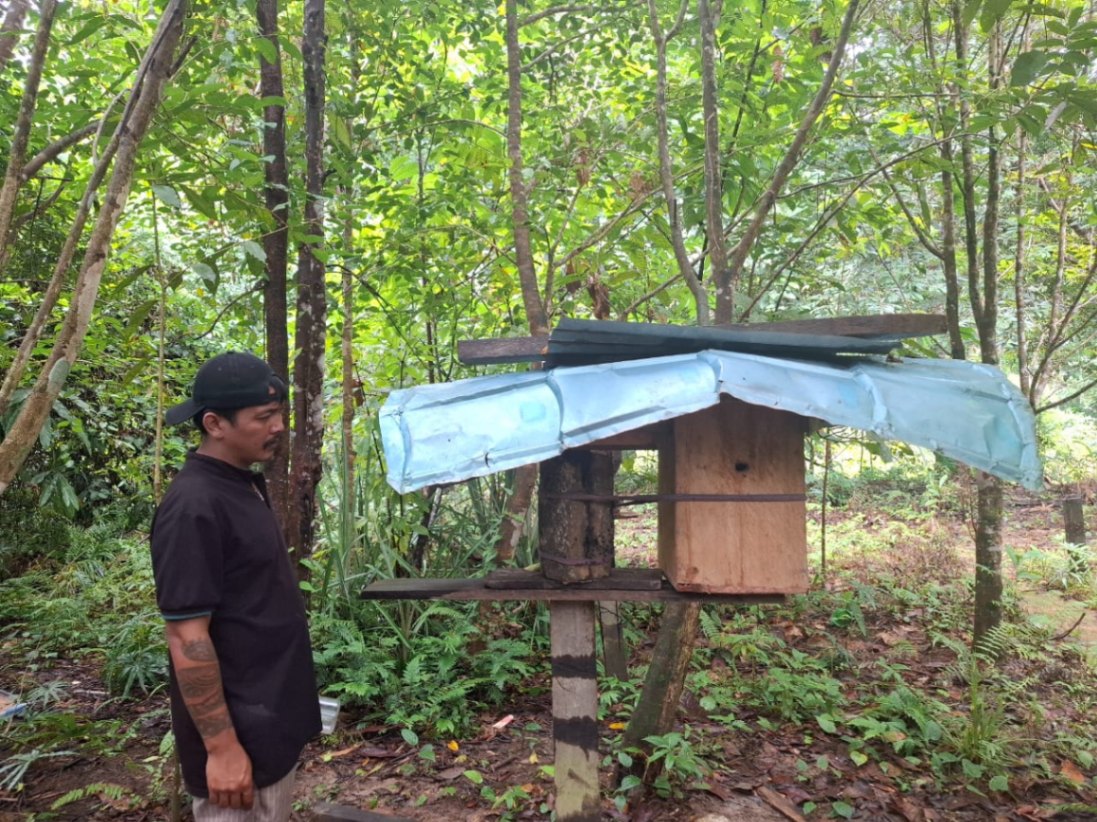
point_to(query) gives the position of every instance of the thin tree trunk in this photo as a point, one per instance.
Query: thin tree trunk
(525, 478)
(765, 204)
(988, 524)
(709, 14)
(349, 531)
(957, 349)
(988, 555)
(132, 128)
(308, 366)
(13, 175)
(1019, 302)
(275, 239)
(11, 28)
(967, 165)
(527, 276)
(666, 170)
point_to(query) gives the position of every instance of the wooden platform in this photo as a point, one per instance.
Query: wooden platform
(622, 585)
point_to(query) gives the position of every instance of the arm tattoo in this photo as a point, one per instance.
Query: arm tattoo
(199, 681)
(212, 725)
(199, 650)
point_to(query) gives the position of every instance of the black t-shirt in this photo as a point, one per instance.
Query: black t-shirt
(217, 550)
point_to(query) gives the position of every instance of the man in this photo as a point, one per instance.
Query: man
(243, 692)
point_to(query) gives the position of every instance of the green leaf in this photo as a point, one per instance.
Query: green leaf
(842, 809)
(999, 783)
(253, 249)
(992, 12)
(971, 770)
(266, 49)
(858, 758)
(1026, 67)
(168, 195)
(341, 131)
(409, 736)
(140, 314)
(205, 271)
(826, 722)
(475, 777)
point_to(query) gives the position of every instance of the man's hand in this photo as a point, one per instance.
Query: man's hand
(198, 672)
(228, 774)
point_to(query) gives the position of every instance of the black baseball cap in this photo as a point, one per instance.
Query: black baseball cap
(231, 380)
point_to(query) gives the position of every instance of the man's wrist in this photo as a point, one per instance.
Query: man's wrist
(221, 742)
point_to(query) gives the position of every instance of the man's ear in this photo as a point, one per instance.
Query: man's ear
(213, 423)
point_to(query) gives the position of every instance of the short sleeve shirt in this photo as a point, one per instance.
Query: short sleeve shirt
(217, 550)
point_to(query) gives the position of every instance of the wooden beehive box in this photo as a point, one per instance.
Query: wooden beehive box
(734, 547)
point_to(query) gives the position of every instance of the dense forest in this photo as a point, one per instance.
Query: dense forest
(351, 189)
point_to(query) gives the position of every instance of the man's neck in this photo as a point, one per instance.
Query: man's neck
(210, 448)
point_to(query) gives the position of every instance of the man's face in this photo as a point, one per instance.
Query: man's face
(253, 436)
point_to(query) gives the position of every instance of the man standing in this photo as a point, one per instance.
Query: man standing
(243, 691)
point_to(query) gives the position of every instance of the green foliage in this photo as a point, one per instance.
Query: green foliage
(30, 532)
(96, 603)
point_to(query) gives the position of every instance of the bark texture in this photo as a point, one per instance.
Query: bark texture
(308, 365)
(666, 677)
(276, 238)
(10, 29)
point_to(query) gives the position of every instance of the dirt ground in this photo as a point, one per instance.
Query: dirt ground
(763, 776)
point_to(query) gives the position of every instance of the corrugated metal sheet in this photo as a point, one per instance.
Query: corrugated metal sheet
(450, 432)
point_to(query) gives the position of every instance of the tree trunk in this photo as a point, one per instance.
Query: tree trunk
(525, 478)
(527, 276)
(988, 555)
(1019, 304)
(13, 175)
(10, 29)
(769, 198)
(658, 704)
(709, 14)
(308, 366)
(988, 525)
(957, 350)
(275, 239)
(132, 127)
(666, 171)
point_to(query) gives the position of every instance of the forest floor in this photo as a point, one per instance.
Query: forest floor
(762, 770)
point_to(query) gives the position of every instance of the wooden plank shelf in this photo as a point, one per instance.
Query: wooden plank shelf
(622, 585)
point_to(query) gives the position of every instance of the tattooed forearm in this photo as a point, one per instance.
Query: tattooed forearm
(198, 675)
(212, 725)
(199, 650)
(198, 681)
(208, 704)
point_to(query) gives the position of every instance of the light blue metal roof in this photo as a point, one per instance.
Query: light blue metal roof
(454, 431)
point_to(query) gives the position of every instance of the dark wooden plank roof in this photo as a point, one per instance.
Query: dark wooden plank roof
(581, 342)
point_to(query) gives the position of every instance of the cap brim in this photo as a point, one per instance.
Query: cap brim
(181, 412)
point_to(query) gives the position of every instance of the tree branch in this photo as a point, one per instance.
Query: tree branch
(784, 169)
(54, 149)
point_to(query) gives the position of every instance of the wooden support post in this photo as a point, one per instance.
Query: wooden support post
(1074, 526)
(575, 712)
(614, 657)
(576, 535)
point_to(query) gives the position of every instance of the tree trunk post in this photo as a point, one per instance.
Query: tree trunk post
(614, 657)
(1074, 528)
(574, 712)
(576, 526)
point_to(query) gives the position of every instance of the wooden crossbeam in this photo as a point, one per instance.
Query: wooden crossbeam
(622, 585)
